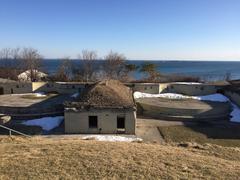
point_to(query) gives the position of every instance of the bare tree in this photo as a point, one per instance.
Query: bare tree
(64, 72)
(15, 53)
(32, 62)
(87, 70)
(9, 63)
(114, 66)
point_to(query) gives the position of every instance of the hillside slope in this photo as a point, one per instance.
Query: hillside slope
(42, 158)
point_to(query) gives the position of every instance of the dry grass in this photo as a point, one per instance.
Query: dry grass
(220, 135)
(42, 158)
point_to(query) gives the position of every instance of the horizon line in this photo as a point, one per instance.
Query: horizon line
(215, 60)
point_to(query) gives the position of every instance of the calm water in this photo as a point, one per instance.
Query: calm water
(207, 70)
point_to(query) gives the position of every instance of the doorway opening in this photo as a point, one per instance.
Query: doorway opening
(1, 91)
(120, 124)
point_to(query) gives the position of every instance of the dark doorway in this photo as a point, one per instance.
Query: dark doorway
(120, 122)
(93, 121)
(11, 90)
(1, 91)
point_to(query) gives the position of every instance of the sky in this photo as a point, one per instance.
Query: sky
(140, 29)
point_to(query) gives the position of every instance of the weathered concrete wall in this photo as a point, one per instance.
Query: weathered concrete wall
(219, 110)
(16, 88)
(180, 88)
(152, 88)
(77, 122)
(189, 89)
(74, 87)
(59, 87)
(233, 96)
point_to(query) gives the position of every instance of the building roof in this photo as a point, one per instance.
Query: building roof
(105, 94)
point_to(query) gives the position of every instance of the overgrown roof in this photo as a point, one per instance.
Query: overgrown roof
(105, 94)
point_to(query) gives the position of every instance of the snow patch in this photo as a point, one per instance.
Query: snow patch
(112, 138)
(190, 83)
(235, 113)
(40, 94)
(211, 97)
(47, 123)
(75, 95)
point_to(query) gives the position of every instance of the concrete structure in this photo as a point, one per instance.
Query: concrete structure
(30, 106)
(234, 96)
(78, 121)
(107, 107)
(152, 88)
(183, 109)
(11, 87)
(59, 87)
(233, 91)
(191, 89)
(15, 88)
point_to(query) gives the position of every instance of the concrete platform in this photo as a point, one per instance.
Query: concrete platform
(183, 109)
(25, 106)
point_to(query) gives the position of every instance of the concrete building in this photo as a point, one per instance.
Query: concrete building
(106, 107)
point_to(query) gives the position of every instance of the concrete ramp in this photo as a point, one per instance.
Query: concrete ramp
(149, 134)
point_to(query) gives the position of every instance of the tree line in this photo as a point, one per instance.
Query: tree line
(113, 66)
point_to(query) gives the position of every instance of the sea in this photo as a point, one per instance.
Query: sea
(205, 70)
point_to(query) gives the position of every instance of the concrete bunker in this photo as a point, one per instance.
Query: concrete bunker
(106, 107)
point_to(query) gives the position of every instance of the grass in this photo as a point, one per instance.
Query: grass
(220, 135)
(71, 158)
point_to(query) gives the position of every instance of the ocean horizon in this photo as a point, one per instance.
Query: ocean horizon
(206, 70)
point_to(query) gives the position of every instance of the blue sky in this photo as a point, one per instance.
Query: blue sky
(140, 29)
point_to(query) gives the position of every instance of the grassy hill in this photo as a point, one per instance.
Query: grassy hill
(42, 158)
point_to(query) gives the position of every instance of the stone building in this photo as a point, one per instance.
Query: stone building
(106, 107)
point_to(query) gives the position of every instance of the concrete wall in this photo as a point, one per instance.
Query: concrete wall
(233, 96)
(16, 88)
(74, 87)
(77, 122)
(189, 89)
(152, 88)
(59, 87)
(216, 110)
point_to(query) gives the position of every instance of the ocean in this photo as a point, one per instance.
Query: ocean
(206, 70)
